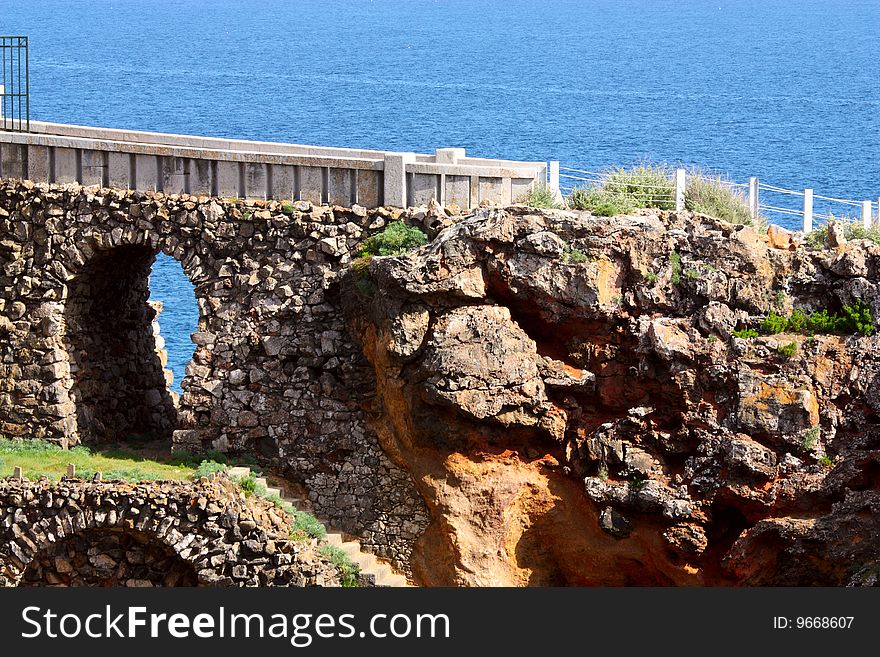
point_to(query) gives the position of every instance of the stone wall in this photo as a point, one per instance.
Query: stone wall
(206, 533)
(275, 372)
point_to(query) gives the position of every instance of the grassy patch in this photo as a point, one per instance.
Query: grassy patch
(853, 229)
(348, 569)
(746, 334)
(539, 196)
(715, 197)
(675, 267)
(788, 350)
(305, 526)
(811, 437)
(574, 256)
(648, 185)
(395, 240)
(601, 202)
(37, 458)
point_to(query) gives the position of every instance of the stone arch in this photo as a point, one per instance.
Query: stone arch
(117, 382)
(108, 557)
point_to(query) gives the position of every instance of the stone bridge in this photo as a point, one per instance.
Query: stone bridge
(151, 534)
(275, 372)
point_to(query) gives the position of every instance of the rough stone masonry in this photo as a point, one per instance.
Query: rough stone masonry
(274, 373)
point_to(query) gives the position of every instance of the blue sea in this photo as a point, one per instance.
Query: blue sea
(787, 91)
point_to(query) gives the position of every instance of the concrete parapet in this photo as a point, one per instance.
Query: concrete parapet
(147, 161)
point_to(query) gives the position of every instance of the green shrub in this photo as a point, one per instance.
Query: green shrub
(856, 318)
(692, 274)
(715, 197)
(574, 256)
(774, 324)
(826, 462)
(648, 185)
(787, 350)
(745, 334)
(811, 437)
(348, 569)
(539, 196)
(305, 526)
(675, 267)
(651, 278)
(248, 484)
(207, 468)
(601, 202)
(287, 208)
(395, 240)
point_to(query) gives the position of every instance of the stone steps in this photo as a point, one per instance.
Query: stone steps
(379, 572)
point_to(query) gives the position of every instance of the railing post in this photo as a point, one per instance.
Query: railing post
(449, 155)
(680, 183)
(553, 182)
(2, 98)
(395, 178)
(808, 211)
(866, 214)
(753, 197)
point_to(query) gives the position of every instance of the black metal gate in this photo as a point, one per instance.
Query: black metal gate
(15, 106)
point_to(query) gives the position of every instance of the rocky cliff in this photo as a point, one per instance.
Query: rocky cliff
(570, 398)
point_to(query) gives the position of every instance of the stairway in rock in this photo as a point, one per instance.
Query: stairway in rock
(372, 568)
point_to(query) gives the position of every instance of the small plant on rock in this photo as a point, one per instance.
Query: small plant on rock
(826, 461)
(395, 240)
(348, 569)
(539, 196)
(745, 334)
(574, 256)
(287, 208)
(787, 350)
(651, 278)
(675, 267)
(811, 437)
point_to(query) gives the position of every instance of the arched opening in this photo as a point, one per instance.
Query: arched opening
(108, 557)
(171, 287)
(119, 384)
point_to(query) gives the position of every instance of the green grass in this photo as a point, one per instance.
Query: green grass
(574, 256)
(539, 196)
(853, 229)
(675, 267)
(811, 437)
(648, 185)
(348, 569)
(37, 458)
(395, 240)
(714, 196)
(788, 350)
(601, 202)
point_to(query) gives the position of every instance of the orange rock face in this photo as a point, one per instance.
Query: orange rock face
(598, 422)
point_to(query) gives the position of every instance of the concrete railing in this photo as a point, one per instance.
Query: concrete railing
(175, 164)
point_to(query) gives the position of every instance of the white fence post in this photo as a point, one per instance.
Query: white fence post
(808, 211)
(2, 99)
(866, 214)
(680, 182)
(395, 178)
(753, 197)
(553, 183)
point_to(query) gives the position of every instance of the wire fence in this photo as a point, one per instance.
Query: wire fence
(763, 199)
